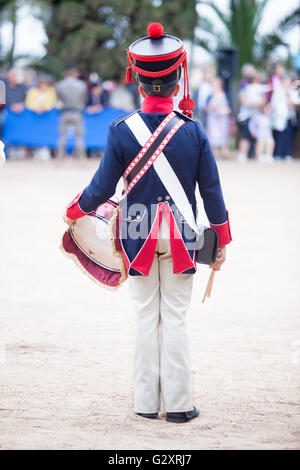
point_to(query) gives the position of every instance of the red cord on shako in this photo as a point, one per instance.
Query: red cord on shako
(159, 56)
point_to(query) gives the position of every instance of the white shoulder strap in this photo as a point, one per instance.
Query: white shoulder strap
(164, 170)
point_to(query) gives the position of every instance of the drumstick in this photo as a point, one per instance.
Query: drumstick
(209, 286)
(205, 293)
(210, 282)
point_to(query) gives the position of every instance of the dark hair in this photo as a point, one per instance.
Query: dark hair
(164, 86)
(164, 91)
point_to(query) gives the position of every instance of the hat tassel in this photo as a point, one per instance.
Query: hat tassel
(186, 104)
(129, 78)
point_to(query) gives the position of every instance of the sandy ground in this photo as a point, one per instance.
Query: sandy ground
(66, 344)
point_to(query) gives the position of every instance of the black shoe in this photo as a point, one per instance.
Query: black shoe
(148, 415)
(182, 417)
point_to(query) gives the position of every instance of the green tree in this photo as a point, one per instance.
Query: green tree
(240, 28)
(8, 12)
(95, 34)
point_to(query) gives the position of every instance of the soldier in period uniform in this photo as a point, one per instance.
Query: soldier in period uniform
(158, 218)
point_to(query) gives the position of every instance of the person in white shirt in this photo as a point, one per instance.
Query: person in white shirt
(261, 129)
(252, 97)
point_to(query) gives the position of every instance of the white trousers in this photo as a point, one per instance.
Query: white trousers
(162, 359)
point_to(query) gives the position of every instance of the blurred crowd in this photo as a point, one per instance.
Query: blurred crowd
(72, 96)
(266, 118)
(256, 121)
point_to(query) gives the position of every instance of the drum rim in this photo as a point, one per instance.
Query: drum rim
(90, 257)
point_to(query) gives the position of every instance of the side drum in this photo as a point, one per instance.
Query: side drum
(92, 235)
(89, 243)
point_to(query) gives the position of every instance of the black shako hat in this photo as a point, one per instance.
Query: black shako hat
(157, 59)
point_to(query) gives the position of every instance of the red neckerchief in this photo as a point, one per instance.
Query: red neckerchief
(157, 104)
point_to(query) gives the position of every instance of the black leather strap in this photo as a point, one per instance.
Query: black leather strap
(152, 149)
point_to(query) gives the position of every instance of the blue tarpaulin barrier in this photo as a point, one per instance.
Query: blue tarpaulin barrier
(31, 129)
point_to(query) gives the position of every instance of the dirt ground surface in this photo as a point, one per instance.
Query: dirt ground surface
(66, 345)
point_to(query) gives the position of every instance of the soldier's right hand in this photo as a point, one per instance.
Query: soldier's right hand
(220, 259)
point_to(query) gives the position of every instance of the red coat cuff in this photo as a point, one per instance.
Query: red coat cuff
(73, 211)
(223, 231)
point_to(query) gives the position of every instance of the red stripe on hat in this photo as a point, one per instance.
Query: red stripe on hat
(157, 58)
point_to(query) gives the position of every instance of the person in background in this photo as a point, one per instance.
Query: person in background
(2, 154)
(30, 79)
(248, 71)
(204, 91)
(72, 93)
(284, 117)
(15, 93)
(97, 98)
(41, 98)
(218, 119)
(133, 89)
(277, 78)
(252, 97)
(121, 96)
(2, 105)
(261, 129)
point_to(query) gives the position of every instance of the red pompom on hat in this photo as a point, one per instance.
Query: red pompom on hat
(155, 30)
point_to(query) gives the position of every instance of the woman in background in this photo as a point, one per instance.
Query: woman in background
(41, 98)
(218, 120)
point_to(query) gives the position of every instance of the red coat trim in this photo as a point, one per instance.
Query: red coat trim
(73, 209)
(223, 231)
(181, 258)
(157, 104)
(144, 259)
